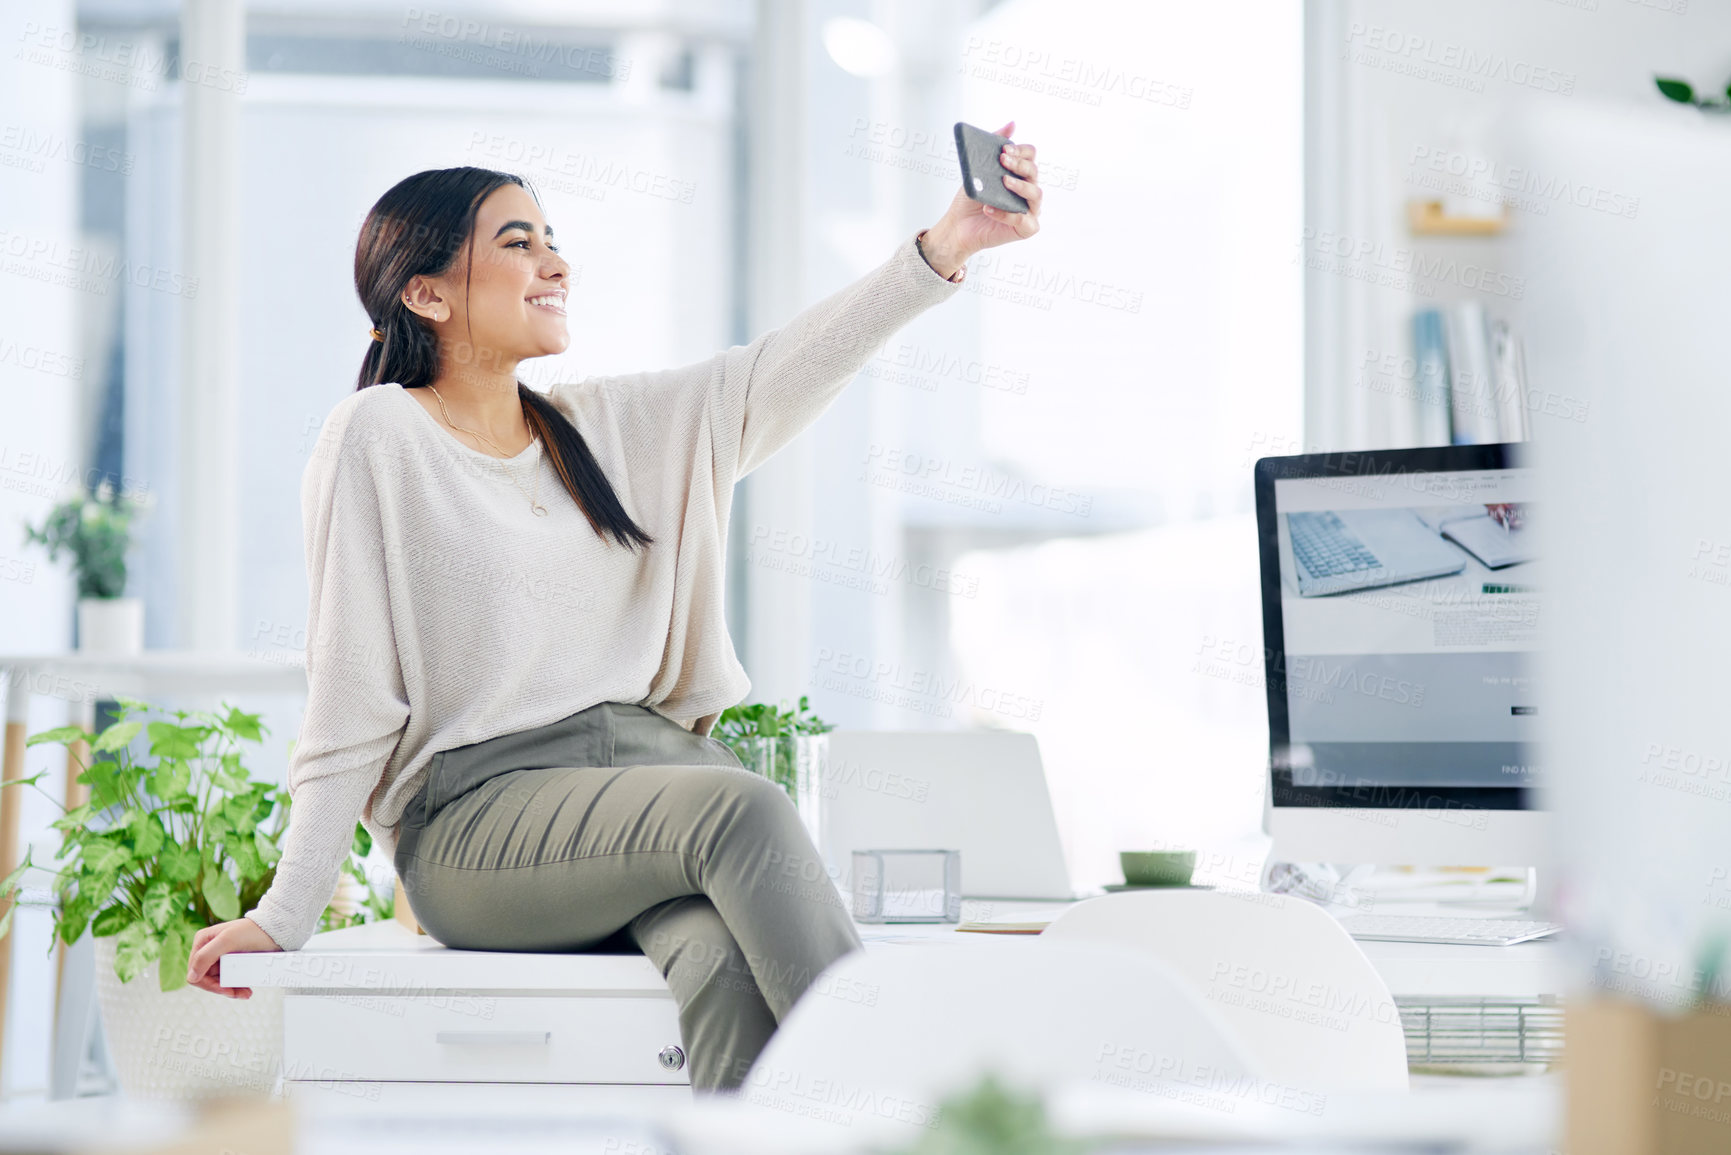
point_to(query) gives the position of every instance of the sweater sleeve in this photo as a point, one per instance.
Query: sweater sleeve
(356, 707)
(781, 382)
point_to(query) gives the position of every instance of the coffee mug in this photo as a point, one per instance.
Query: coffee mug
(1158, 867)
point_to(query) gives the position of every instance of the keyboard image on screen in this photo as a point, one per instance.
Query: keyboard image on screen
(1343, 551)
(1464, 931)
(1325, 547)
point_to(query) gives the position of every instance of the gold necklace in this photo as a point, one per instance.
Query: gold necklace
(534, 499)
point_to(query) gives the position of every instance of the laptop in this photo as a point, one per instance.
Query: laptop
(982, 792)
(1336, 551)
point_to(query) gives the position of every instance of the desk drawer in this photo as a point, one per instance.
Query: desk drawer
(467, 1038)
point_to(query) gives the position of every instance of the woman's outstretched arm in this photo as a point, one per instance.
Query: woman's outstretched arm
(781, 382)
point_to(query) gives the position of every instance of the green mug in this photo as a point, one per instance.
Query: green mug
(1158, 867)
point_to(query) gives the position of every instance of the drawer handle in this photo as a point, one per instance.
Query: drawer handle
(495, 1038)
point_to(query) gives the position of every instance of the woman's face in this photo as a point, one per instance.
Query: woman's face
(516, 284)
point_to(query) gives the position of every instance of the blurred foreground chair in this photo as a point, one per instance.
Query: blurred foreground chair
(886, 1033)
(1294, 986)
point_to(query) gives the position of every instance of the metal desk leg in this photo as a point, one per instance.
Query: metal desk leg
(11, 807)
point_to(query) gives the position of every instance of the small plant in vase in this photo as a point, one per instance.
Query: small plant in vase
(96, 530)
(787, 746)
(166, 846)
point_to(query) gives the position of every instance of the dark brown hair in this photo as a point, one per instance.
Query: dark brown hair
(417, 229)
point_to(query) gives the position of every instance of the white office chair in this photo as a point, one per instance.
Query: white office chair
(884, 1034)
(1292, 983)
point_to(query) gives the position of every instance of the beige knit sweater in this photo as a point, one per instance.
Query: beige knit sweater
(442, 612)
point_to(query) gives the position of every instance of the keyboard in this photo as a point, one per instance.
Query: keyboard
(1465, 931)
(1323, 545)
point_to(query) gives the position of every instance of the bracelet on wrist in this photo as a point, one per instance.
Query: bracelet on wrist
(954, 278)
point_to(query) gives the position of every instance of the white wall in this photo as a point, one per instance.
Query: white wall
(46, 287)
(1395, 85)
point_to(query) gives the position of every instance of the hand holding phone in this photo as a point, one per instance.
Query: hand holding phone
(983, 170)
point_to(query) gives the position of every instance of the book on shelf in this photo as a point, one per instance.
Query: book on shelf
(1470, 377)
(1431, 377)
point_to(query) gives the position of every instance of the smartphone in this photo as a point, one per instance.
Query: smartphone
(983, 172)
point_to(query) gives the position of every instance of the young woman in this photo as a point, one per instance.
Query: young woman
(516, 647)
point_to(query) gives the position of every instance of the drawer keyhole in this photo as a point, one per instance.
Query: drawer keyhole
(672, 1058)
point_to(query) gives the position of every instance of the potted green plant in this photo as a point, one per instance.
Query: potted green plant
(788, 746)
(166, 845)
(96, 529)
(357, 900)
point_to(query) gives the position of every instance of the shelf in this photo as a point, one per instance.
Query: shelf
(1427, 218)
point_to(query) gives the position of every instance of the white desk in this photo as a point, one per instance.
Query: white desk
(378, 1015)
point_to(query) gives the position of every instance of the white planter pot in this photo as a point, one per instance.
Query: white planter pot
(187, 1043)
(110, 625)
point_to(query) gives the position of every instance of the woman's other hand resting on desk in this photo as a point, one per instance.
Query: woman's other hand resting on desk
(211, 943)
(969, 226)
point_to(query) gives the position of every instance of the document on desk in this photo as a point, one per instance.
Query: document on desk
(1003, 927)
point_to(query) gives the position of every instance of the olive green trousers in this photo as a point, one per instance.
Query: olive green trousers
(614, 829)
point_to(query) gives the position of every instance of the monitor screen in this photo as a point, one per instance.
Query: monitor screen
(1401, 616)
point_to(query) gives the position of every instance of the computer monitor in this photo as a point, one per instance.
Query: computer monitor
(1400, 611)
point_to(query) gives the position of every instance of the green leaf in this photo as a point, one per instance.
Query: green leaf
(267, 851)
(104, 855)
(116, 737)
(75, 819)
(244, 725)
(64, 735)
(170, 779)
(238, 812)
(363, 841)
(133, 951)
(101, 885)
(230, 775)
(103, 778)
(129, 705)
(30, 781)
(180, 742)
(246, 858)
(220, 894)
(161, 901)
(112, 921)
(1679, 90)
(147, 834)
(74, 917)
(178, 863)
(10, 882)
(176, 952)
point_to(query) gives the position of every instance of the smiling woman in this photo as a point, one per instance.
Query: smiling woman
(517, 701)
(458, 270)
